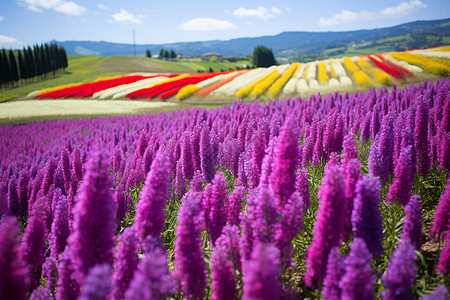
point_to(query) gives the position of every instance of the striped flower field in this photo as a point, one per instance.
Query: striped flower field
(276, 82)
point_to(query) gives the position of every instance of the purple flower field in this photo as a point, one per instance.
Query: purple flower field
(334, 197)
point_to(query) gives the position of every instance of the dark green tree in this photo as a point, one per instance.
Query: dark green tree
(30, 63)
(22, 66)
(148, 53)
(172, 54)
(2, 68)
(13, 67)
(166, 54)
(263, 57)
(161, 53)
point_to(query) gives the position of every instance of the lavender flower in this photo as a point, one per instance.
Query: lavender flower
(152, 279)
(230, 239)
(97, 284)
(214, 205)
(235, 205)
(33, 244)
(358, 280)
(22, 193)
(285, 158)
(121, 202)
(421, 134)
(335, 271)
(13, 198)
(50, 272)
(14, 279)
(444, 150)
(400, 190)
(49, 172)
(190, 267)
(350, 149)
(399, 275)
(179, 183)
(329, 225)
(65, 164)
(441, 218)
(290, 227)
(413, 223)
(92, 240)
(67, 287)
(207, 159)
(440, 293)
(60, 230)
(197, 183)
(223, 277)
(367, 221)
(77, 165)
(302, 186)
(262, 273)
(126, 262)
(443, 265)
(41, 293)
(58, 180)
(150, 214)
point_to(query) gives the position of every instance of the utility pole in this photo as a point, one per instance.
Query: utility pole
(134, 44)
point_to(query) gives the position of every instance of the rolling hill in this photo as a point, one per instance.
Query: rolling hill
(289, 44)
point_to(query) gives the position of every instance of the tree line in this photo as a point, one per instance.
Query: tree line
(30, 63)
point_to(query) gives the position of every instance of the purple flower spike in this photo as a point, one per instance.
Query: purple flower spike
(440, 293)
(97, 284)
(329, 225)
(400, 190)
(152, 279)
(67, 287)
(444, 150)
(60, 230)
(121, 202)
(187, 156)
(262, 273)
(302, 186)
(235, 205)
(441, 219)
(214, 205)
(367, 221)
(400, 273)
(14, 279)
(126, 262)
(230, 239)
(358, 280)
(335, 271)
(197, 183)
(190, 267)
(285, 159)
(413, 223)
(443, 266)
(150, 214)
(33, 244)
(223, 277)
(13, 198)
(41, 293)
(207, 159)
(92, 240)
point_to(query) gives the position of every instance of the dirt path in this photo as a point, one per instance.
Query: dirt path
(16, 112)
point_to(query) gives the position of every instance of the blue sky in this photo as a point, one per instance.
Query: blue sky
(25, 22)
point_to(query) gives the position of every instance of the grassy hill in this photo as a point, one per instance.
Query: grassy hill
(87, 68)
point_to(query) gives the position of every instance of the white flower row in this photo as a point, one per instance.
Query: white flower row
(404, 64)
(312, 71)
(214, 79)
(338, 68)
(239, 82)
(434, 54)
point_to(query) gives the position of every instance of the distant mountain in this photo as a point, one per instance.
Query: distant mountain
(283, 44)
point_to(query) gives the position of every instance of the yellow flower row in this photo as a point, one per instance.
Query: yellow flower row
(262, 86)
(323, 76)
(187, 91)
(350, 65)
(243, 92)
(279, 84)
(430, 65)
(379, 75)
(332, 70)
(362, 79)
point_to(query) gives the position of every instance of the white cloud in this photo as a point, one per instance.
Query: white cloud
(62, 6)
(102, 6)
(8, 40)
(261, 12)
(1, 18)
(125, 17)
(206, 24)
(403, 9)
(345, 16)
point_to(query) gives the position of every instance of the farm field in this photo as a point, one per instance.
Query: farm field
(338, 194)
(349, 74)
